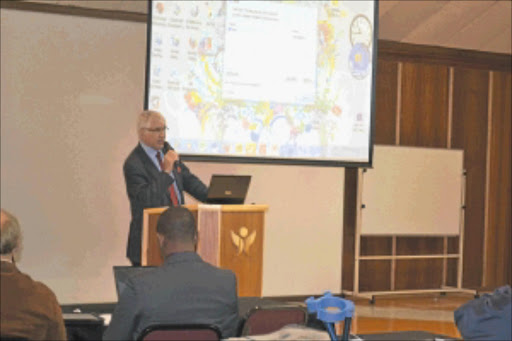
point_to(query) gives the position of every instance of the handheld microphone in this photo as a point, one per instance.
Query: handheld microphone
(165, 149)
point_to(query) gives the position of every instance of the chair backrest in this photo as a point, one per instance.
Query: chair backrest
(181, 332)
(268, 319)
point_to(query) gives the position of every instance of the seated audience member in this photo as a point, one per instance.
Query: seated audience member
(183, 290)
(487, 317)
(29, 309)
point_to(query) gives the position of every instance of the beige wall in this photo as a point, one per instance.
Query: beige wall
(69, 96)
(71, 88)
(303, 235)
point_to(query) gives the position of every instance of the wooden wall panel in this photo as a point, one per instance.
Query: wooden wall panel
(424, 113)
(349, 228)
(498, 267)
(423, 123)
(451, 272)
(393, 50)
(452, 263)
(424, 107)
(419, 245)
(453, 244)
(469, 122)
(386, 100)
(375, 275)
(411, 274)
(375, 246)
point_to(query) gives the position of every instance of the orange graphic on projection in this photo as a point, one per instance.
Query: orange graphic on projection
(193, 99)
(336, 110)
(263, 149)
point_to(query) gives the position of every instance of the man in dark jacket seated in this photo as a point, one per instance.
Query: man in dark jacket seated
(183, 290)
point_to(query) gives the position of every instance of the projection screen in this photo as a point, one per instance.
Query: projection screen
(288, 82)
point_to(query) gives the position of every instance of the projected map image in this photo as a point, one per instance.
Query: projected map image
(287, 79)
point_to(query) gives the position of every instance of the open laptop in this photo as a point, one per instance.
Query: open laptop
(123, 273)
(228, 189)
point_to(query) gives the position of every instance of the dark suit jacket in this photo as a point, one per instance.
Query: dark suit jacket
(185, 289)
(148, 187)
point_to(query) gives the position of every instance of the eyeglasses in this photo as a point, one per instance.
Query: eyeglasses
(157, 130)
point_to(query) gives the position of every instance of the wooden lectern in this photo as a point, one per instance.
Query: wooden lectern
(230, 237)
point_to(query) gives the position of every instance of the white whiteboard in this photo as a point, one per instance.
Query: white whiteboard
(412, 191)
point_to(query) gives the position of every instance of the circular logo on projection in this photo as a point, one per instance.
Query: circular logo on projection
(359, 61)
(361, 30)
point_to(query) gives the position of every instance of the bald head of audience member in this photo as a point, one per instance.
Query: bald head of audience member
(176, 231)
(10, 237)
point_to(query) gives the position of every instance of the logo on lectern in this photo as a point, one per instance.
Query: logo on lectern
(243, 241)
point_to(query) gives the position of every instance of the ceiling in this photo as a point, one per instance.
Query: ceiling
(472, 25)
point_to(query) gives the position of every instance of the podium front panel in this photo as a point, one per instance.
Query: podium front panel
(241, 243)
(241, 249)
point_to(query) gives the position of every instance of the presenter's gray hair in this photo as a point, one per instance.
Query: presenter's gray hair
(144, 117)
(10, 234)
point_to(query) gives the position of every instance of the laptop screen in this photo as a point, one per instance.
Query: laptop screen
(123, 273)
(228, 189)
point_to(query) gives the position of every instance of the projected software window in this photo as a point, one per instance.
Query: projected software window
(270, 53)
(276, 80)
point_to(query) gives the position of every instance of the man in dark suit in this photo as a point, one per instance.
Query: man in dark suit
(184, 290)
(155, 177)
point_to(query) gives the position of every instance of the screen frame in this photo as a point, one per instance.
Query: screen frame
(279, 161)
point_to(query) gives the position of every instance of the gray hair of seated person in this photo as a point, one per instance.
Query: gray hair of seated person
(10, 235)
(177, 224)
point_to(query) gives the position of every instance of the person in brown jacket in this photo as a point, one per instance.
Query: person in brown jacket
(28, 309)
